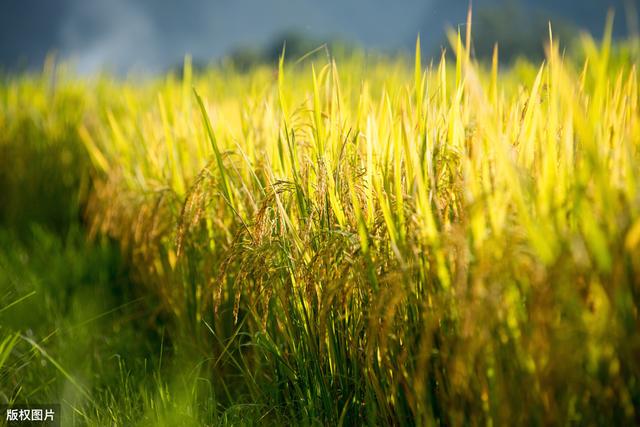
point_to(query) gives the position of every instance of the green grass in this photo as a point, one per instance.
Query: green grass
(328, 242)
(75, 335)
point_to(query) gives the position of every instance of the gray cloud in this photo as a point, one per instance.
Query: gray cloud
(117, 34)
(151, 35)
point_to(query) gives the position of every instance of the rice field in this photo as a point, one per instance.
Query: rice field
(348, 240)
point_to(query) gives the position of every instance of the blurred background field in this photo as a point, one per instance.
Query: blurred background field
(335, 230)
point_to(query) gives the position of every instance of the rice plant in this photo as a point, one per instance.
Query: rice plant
(352, 241)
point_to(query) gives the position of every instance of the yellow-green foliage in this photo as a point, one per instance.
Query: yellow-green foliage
(43, 166)
(399, 243)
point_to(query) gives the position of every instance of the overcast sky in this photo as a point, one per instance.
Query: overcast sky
(151, 35)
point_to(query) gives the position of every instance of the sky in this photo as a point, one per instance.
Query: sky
(153, 35)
